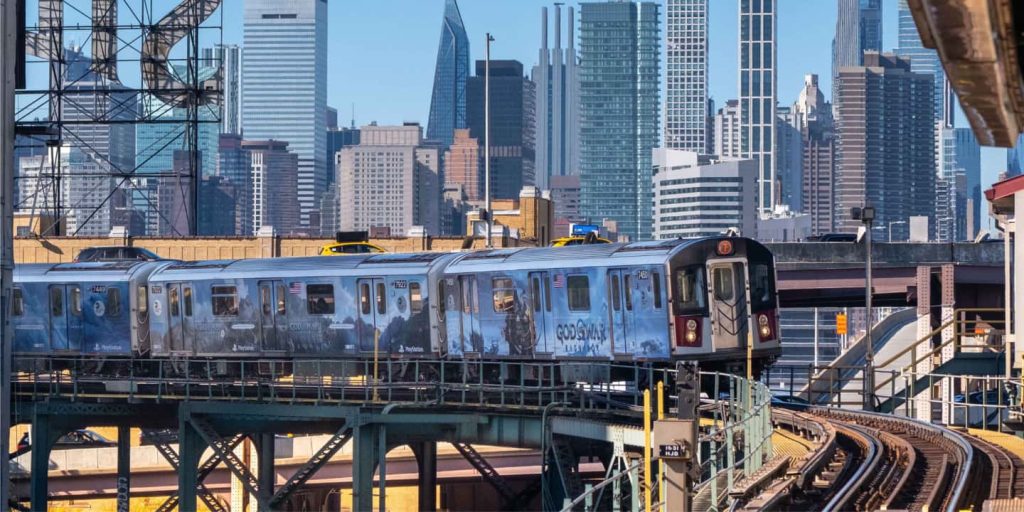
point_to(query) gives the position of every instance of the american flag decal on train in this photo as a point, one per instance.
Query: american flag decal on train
(559, 280)
(295, 287)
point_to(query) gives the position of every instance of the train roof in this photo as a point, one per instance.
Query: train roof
(636, 253)
(84, 271)
(313, 266)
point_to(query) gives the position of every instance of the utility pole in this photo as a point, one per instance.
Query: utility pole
(867, 216)
(487, 137)
(8, 53)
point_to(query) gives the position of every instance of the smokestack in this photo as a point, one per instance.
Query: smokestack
(572, 27)
(558, 26)
(544, 28)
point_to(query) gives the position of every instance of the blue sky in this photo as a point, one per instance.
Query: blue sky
(381, 52)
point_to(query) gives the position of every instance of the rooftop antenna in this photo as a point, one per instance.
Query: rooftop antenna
(353, 125)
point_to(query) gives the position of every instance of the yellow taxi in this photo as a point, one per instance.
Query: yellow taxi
(566, 241)
(346, 248)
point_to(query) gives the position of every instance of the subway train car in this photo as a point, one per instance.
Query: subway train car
(648, 301)
(313, 307)
(657, 302)
(82, 309)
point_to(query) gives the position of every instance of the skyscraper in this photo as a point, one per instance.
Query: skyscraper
(619, 51)
(727, 130)
(274, 201)
(686, 75)
(813, 116)
(228, 58)
(858, 28)
(789, 150)
(1015, 158)
(696, 198)
(886, 143)
(958, 218)
(513, 126)
(448, 101)
(285, 74)
(925, 60)
(757, 94)
(234, 164)
(462, 166)
(556, 79)
(390, 179)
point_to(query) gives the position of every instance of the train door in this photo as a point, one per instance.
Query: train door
(372, 312)
(472, 339)
(728, 295)
(66, 317)
(540, 291)
(179, 310)
(617, 312)
(272, 312)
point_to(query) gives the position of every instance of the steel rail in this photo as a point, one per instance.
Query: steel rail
(872, 455)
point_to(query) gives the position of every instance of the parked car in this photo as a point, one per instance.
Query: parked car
(116, 253)
(82, 439)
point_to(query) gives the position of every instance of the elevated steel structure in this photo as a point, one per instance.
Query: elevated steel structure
(144, 68)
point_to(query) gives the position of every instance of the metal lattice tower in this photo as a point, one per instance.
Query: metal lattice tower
(79, 114)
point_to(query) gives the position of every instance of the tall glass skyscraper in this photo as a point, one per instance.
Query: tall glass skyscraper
(619, 50)
(228, 58)
(858, 28)
(925, 60)
(686, 76)
(558, 109)
(757, 94)
(1015, 158)
(284, 69)
(448, 101)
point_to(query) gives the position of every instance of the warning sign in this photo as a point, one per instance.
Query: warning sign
(840, 323)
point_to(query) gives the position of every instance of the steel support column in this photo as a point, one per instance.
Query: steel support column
(426, 461)
(124, 467)
(190, 449)
(266, 475)
(43, 438)
(365, 454)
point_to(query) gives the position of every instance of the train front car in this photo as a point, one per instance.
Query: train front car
(724, 295)
(93, 312)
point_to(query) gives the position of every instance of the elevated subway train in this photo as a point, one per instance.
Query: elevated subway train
(658, 302)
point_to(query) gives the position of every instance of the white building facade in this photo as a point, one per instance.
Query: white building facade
(695, 198)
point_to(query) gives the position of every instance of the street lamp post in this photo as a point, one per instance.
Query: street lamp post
(867, 216)
(487, 137)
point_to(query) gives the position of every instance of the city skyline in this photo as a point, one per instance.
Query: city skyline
(802, 24)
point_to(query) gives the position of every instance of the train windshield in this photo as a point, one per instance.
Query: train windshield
(691, 294)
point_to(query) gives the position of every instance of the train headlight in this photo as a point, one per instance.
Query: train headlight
(691, 331)
(764, 329)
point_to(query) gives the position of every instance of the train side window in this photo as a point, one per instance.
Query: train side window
(75, 300)
(616, 294)
(56, 301)
(579, 293)
(657, 289)
(690, 293)
(382, 305)
(187, 292)
(535, 292)
(172, 298)
(225, 300)
(475, 295)
(320, 299)
(282, 300)
(504, 294)
(265, 300)
(547, 294)
(113, 302)
(364, 298)
(724, 285)
(415, 298)
(142, 297)
(17, 302)
(627, 283)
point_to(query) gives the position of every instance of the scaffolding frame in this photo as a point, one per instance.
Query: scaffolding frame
(160, 50)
